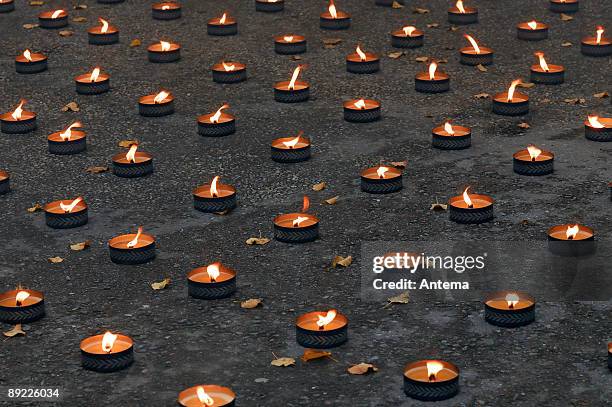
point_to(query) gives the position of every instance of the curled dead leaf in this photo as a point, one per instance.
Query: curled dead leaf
(331, 42)
(433, 25)
(395, 55)
(29, 26)
(296, 58)
(395, 4)
(341, 261)
(66, 33)
(135, 43)
(601, 95)
(16, 330)
(362, 368)
(399, 164)
(453, 28)
(526, 85)
(72, 106)
(251, 303)
(56, 259)
(481, 68)
(160, 285)
(257, 241)
(312, 354)
(524, 125)
(421, 59)
(36, 3)
(222, 213)
(80, 7)
(566, 44)
(283, 362)
(402, 298)
(565, 17)
(482, 96)
(319, 187)
(127, 143)
(37, 207)
(575, 101)
(79, 19)
(420, 10)
(77, 247)
(97, 169)
(438, 207)
(332, 200)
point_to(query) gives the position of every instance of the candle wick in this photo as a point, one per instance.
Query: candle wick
(511, 306)
(432, 377)
(17, 303)
(322, 328)
(213, 280)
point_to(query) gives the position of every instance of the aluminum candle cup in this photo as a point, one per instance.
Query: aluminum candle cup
(6, 6)
(72, 142)
(288, 230)
(167, 10)
(95, 357)
(519, 105)
(366, 63)
(456, 16)
(18, 122)
(478, 209)
(571, 240)
(342, 21)
(509, 309)
(21, 306)
(290, 44)
(553, 76)
(407, 37)
(103, 35)
(229, 72)
(431, 380)
(598, 128)
(381, 180)
(361, 110)
(469, 56)
(30, 62)
(290, 150)
(425, 84)
(142, 252)
(269, 6)
(532, 31)
(53, 19)
(155, 105)
(224, 25)
(141, 166)
(388, 3)
(57, 217)
(596, 46)
(211, 282)
(224, 199)
(310, 334)
(5, 182)
(458, 138)
(533, 161)
(563, 6)
(299, 93)
(220, 396)
(92, 83)
(164, 52)
(208, 126)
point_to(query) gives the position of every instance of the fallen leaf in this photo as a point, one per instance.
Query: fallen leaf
(565, 17)
(222, 213)
(421, 59)
(481, 68)
(97, 170)
(296, 58)
(77, 247)
(80, 7)
(37, 207)
(402, 298)
(362, 368)
(399, 164)
(341, 261)
(566, 44)
(438, 207)
(333, 200)
(602, 95)
(66, 33)
(29, 26)
(79, 19)
(135, 43)
(433, 25)
(482, 96)
(526, 85)
(442, 61)
(524, 222)
(56, 259)
(453, 28)
(37, 3)
(161, 284)
(312, 354)
(127, 143)
(251, 303)
(15, 331)
(331, 42)
(575, 101)
(395, 55)
(319, 187)
(420, 10)
(72, 106)
(257, 241)
(524, 125)
(395, 4)
(283, 362)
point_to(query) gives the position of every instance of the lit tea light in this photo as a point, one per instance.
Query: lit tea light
(292, 91)
(214, 197)
(207, 395)
(68, 141)
(407, 37)
(361, 110)
(432, 81)
(511, 103)
(431, 380)
(509, 309)
(598, 128)
(388, 3)
(66, 213)
(30, 62)
(571, 240)
(299, 227)
(104, 34)
(92, 83)
(18, 121)
(451, 137)
(157, 105)
(290, 44)
(224, 25)
(6, 6)
(597, 46)
(132, 248)
(362, 62)
(21, 306)
(229, 72)
(475, 54)
(269, 6)
(132, 164)
(217, 124)
(533, 161)
(211, 282)
(532, 31)
(334, 19)
(321, 329)
(461, 15)
(108, 352)
(564, 6)
(546, 73)
(471, 208)
(381, 180)
(53, 19)
(164, 52)
(291, 149)
(167, 10)
(5, 182)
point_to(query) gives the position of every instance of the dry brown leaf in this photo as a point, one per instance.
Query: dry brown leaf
(399, 164)
(332, 200)
(36, 3)
(135, 43)
(127, 143)
(482, 96)
(575, 101)
(251, 303)
(72, 106)
(395, 55)
(161, 284)
(77, 247)
(319, 187)
(402, 298)
(80, 7)
(257, 241)
(421, 59)
(566, 44)
(524, 125)
(526, 85)
(433, 25)
(66, 33)
(420, 10)
(222, 213)
(565, 17)
(296, 58)
(37, 207)
(312, 354)
(56, 259)
(29, 26)
(342, 261)
(395, 4)
(79, 19)
(283, 362)
(442, 61)
(453, 28)
(97, 169)
(362, 368)
(438, 207)
(481, 68)
(602, 95)
(14, 332)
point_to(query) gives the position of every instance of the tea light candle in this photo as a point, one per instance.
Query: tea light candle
(462, 15)
(18, 121)
(21, 306)
(132, 248)
(407, 37)
(269, 6)
(545, 73)
(598, 46)
(431, 380)
(209, 395)
(571, 240)
(532, 31)
(164, 52)
(291, 149)
(6, 6)
(132, 164)
(381, 180)
(361, 110)
(297, 227)
(533, 161)
(68, 141)
(451, 137)
(229, 72)
(214, 197)
(511, 103)
(92, 83)
(103, 34)
(66, 214)
(5, 182)
(160, 104)
(471, 208)
(211, 282)
(217, 124)
(432, 81)
(362, 62)
(107, 352)
(321, 329)
(30, 62)
(598, 128)
(167, 10)
(475, 54)
(290, 44)
(224, 25)
(334, 19)
(509, 309)
(564, 6)
(292, 91)
(53, 19)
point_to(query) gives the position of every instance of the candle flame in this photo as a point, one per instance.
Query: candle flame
(473, 42)
(18, 110)
(543, 63)
(332, 9)
(161, 96)
(459, 5)
(512, 88)
(433, 368)
(326, 319)
(305, 204)
(134, 241)
(213, 187)
(104, 28)
(131, 154)
(432, 70)
(532, 24)
(600, 31)
(288, 38)
(165, 7)
(512, 299)
(381, 171)
(466, 198)
(229, 67)
(297, 221)
(293, 142)
(56, 13)
(572, 231)
(213, 271)
(204, 398)
(21, 297)
(361, 54)
(449, 128)
(94, 74)
(360, 104)
(66, 134)
(215, 117)
(595, 123)
(534, 152)
(296, 73)
(408, 30)
(223, 18)
(165, 45)
(108, 340)
(27, 55)
(70, 208)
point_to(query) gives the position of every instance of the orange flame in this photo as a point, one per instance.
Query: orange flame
(165, 45)
(131, 155)
(21, 297)
(512, 88)
(296, 73)
(595, 123)
(432, 70)
(215, 117)
(543, 63)
(288, 38)
(213, 187)
(56, 13)
(512, 299)
(104, 28)
(293, 142)
(108, 340)
(449, 128)
(18, 110)
(229, 67)
(165, 7)
(360, 104)
(361, 54)
(459, 5)
(433, 368)
(532, 24)
(572, 231)
(161, 96)
(223, 18)
(204, 398)
(466, 198)
(534, 152)
(134, 241)
(305, 204)
(66, 134)
(381, 171)
(95, 74)
(600, 31)
(326, 319)
(27, 55)
(332, 9)
(297, 221)
(473, 42)
(69, 208)
(213, 271)
(408, 30)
